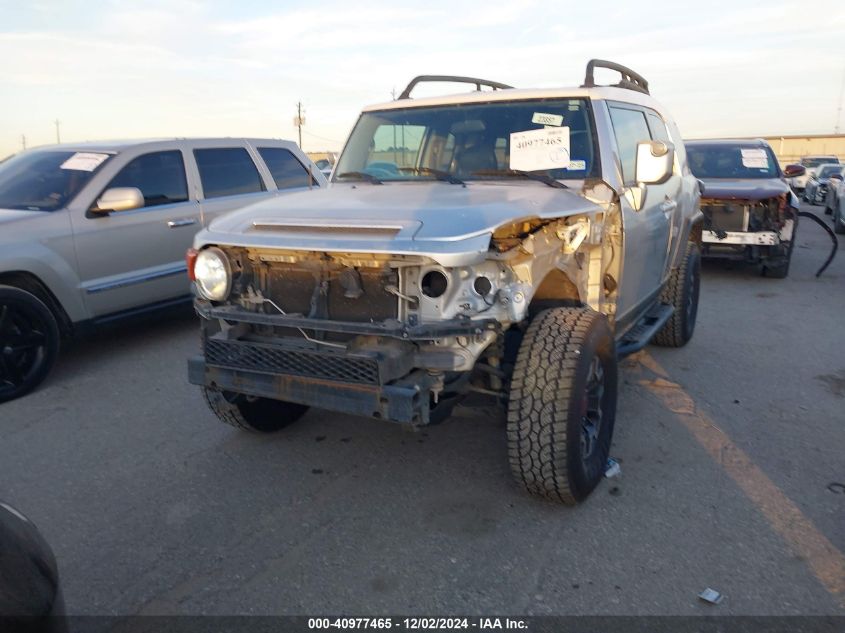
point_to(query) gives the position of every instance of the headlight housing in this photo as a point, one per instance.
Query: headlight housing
(213, 274)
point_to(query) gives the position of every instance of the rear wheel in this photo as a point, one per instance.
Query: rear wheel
(681, 292)
(249, 413)
(562, 404)
(29, 342)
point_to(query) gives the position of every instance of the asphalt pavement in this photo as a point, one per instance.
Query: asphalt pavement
(732, 453)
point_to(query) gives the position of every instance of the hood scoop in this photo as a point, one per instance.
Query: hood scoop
(349, 229)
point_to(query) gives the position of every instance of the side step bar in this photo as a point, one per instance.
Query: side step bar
(638, 336)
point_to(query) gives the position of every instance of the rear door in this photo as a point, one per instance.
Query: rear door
(228, 177)
(130, 259)
(647, 229)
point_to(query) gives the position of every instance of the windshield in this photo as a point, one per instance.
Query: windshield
(818, 160)
(731, 161)
(46, 180)
(552, 137)
(827, 170)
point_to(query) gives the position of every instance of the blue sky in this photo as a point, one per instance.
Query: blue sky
(210, 68)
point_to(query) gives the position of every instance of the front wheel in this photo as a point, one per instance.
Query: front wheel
(681, 292)
(29, 342)
(249, 413)
(562, 404)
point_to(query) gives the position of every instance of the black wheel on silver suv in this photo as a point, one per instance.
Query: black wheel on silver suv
(681, 292)
(29, 342)
(249, 413)
(562, 404)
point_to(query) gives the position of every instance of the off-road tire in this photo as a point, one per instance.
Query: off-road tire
(262, 415)
(29, 342)
(681, 292)
(550, 404)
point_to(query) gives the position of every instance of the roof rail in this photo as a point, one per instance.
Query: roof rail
(630, 80)
(495, 85)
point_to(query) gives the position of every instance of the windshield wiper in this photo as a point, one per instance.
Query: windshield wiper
(361, 175)
(518, 173)
(445, 176)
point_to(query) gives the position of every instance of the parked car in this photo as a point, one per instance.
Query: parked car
(834, 190)
(514, 244)
(816, 190)
(838, 208)
(810, 163)
(95, 231)
(750, 213)
(30, 591)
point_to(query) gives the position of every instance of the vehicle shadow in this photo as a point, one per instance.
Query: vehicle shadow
(130, 336)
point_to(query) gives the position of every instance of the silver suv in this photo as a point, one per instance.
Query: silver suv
(95, 231)
(510, 243)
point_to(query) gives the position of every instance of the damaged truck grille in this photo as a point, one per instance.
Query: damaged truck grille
(309, 364)
(340, 294)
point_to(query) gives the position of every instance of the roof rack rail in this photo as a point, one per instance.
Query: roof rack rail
(630, 80)
(495, 85)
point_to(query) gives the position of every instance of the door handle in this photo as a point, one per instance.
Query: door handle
(177, 223)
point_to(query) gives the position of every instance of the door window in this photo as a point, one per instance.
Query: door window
(658, 127)
(160, 176)
(629, 127)
(227, 171)
(286, 170)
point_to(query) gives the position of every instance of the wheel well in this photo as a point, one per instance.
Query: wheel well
(32, 284)
(556, 290)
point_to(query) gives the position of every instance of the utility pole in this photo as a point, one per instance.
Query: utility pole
(393, 93)
(839, 109)
(58, 136)
(23, 141)
(299, 121)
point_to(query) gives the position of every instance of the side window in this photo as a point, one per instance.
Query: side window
(287, 171)
(227, 171)
(629, 127)
(657, 127)
(160, 176)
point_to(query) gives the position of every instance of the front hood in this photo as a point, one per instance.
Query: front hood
(743, 189)
(14, 215)
(449, 223)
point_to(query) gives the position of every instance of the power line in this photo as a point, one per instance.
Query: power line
(322, 138)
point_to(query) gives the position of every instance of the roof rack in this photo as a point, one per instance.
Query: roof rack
(495, 85)
(630, 80)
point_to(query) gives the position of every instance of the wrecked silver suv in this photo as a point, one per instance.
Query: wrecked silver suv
(506, 242)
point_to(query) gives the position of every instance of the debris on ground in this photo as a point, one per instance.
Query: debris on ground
(612, 469)
(711, 595)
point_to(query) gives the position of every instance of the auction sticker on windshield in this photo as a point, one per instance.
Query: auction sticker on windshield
(755, 159)
(534, 150)
(84, 161)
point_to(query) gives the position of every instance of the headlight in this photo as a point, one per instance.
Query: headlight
(213, 274)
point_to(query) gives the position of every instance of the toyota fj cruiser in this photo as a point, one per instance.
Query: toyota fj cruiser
(506, 242)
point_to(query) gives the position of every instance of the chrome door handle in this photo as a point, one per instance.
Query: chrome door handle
(177, 223)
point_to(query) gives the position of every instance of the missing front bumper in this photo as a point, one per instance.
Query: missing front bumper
(406, 401)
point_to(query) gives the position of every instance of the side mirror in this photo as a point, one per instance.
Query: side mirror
(119, 199)
(793, 171)
(655, 161)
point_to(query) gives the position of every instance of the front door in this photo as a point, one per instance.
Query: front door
(647, 215)
(131, 259)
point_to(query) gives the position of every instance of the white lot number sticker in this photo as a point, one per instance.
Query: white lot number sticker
(755, 158)
(84, 161)
(547, 119)
(536, 150)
